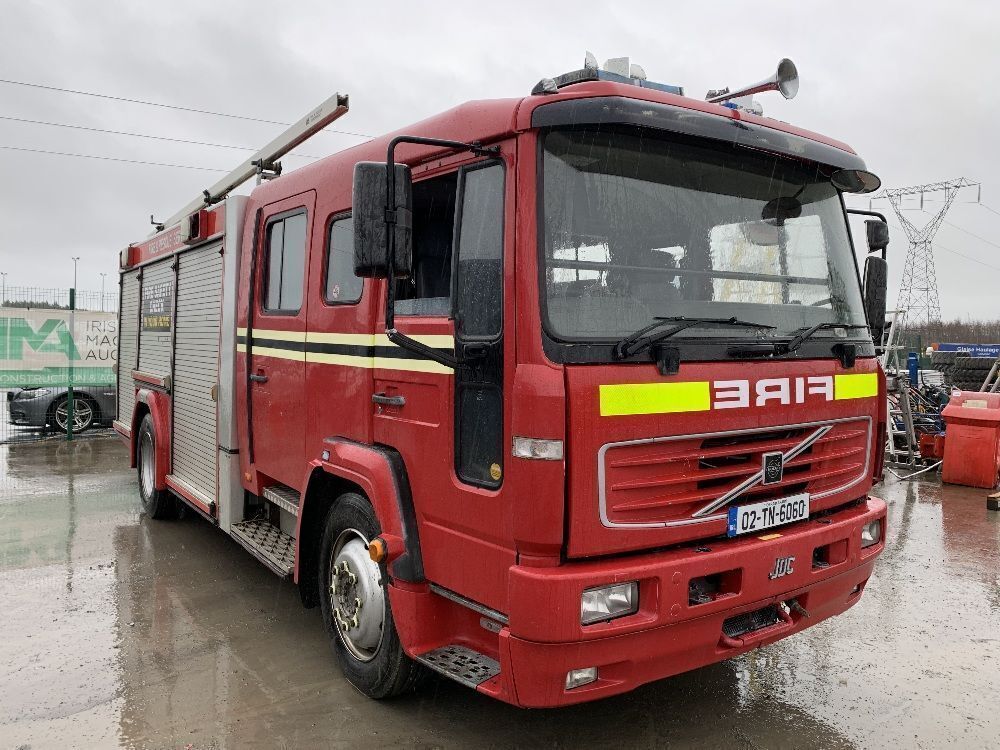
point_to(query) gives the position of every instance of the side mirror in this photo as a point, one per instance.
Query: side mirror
(371, 247)
(876, 284)
(878, 235)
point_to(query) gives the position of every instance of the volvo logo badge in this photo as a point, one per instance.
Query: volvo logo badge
(774, 467)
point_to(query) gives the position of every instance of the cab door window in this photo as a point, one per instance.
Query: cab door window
(478, 311)
(428, 289)
(341, 284)
(286, 263)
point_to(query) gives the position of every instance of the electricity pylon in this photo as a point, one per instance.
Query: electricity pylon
(918, 291)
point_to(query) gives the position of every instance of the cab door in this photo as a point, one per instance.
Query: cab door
(449, 424)
(276, 341)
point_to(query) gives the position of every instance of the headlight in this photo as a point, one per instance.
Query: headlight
(31, 393)
(871, 533)
(608, 602)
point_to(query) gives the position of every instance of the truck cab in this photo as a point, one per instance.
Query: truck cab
(555, 395)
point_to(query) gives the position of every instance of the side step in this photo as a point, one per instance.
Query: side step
(461, 664)
(267, 543)
(284, 497)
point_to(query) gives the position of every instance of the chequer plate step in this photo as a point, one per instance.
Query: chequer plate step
(461, 664)
(284, 497)
(267, 543)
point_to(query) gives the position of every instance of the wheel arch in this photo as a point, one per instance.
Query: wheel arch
(157, 406)
(379, 474)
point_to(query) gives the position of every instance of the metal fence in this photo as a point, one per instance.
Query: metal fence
(57, 357)
(58, 299)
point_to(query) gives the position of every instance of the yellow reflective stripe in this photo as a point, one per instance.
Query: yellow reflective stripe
(437, 341)
(348, 360)
(259, 333)
(414, 364)
(862, 385)
(654, 398)
(411, 365)
(350, 339)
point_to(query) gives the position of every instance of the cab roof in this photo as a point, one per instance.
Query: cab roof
(490, 120)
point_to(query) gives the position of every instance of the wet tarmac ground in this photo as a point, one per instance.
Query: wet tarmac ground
(120, 631)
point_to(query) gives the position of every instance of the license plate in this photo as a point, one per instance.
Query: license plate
(745, 519)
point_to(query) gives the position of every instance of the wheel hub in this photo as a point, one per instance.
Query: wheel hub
(357, 599)
(82, 414)
(146, 459)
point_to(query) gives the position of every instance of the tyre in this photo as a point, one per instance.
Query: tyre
(943, 358)
(158, 504)
(84, 414)
(355, 605)
(979, 364)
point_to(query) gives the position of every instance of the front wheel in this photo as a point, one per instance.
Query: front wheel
(156, 503)
(355, 604)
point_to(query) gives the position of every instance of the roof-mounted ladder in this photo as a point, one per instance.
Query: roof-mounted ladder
(265, 160)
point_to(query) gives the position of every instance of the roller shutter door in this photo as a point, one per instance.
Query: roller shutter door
(196, 367)
(128, 323)
(154, 341)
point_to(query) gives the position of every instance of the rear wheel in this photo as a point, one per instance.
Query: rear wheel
(355, 605)
(83, 414)
(156, 503)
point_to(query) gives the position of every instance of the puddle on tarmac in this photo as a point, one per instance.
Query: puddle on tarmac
(120, 630)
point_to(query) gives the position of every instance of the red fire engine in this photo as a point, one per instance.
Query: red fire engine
(555, 395)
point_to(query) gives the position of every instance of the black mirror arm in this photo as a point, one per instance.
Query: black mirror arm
(404, 341)
(401, 339)
(876, 214)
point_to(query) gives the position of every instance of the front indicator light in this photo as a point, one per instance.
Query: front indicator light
(609, 602)
(871, 534)
(578, 677)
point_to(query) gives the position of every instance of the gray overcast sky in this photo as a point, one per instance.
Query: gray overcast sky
(911, 86)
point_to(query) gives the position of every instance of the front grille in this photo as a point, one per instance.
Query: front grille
(667, 480)
(748, 622)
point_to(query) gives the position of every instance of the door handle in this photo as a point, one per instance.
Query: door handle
(258, 378)
(383, 400)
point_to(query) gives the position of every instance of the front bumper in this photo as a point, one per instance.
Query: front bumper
(668, 635)
(29, 412)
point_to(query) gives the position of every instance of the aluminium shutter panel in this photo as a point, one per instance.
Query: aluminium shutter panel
(196, 367)
(128, 323)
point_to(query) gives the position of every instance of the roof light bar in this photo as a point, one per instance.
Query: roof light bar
(617, 70)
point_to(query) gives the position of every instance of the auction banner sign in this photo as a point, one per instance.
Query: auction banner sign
(38, 347)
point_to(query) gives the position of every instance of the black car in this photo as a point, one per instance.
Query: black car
(47, 406)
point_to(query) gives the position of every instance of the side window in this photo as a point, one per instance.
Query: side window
(341, 284)
(479, 286)
(286, 263)
(428, 290)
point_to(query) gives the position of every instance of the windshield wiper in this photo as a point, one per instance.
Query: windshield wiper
(777, 348)
(805, 333)
(639, 341)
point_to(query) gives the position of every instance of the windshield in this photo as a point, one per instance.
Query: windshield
(636, 225)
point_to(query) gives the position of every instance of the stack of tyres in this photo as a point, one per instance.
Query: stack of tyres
(944, 362)
(968, 373)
